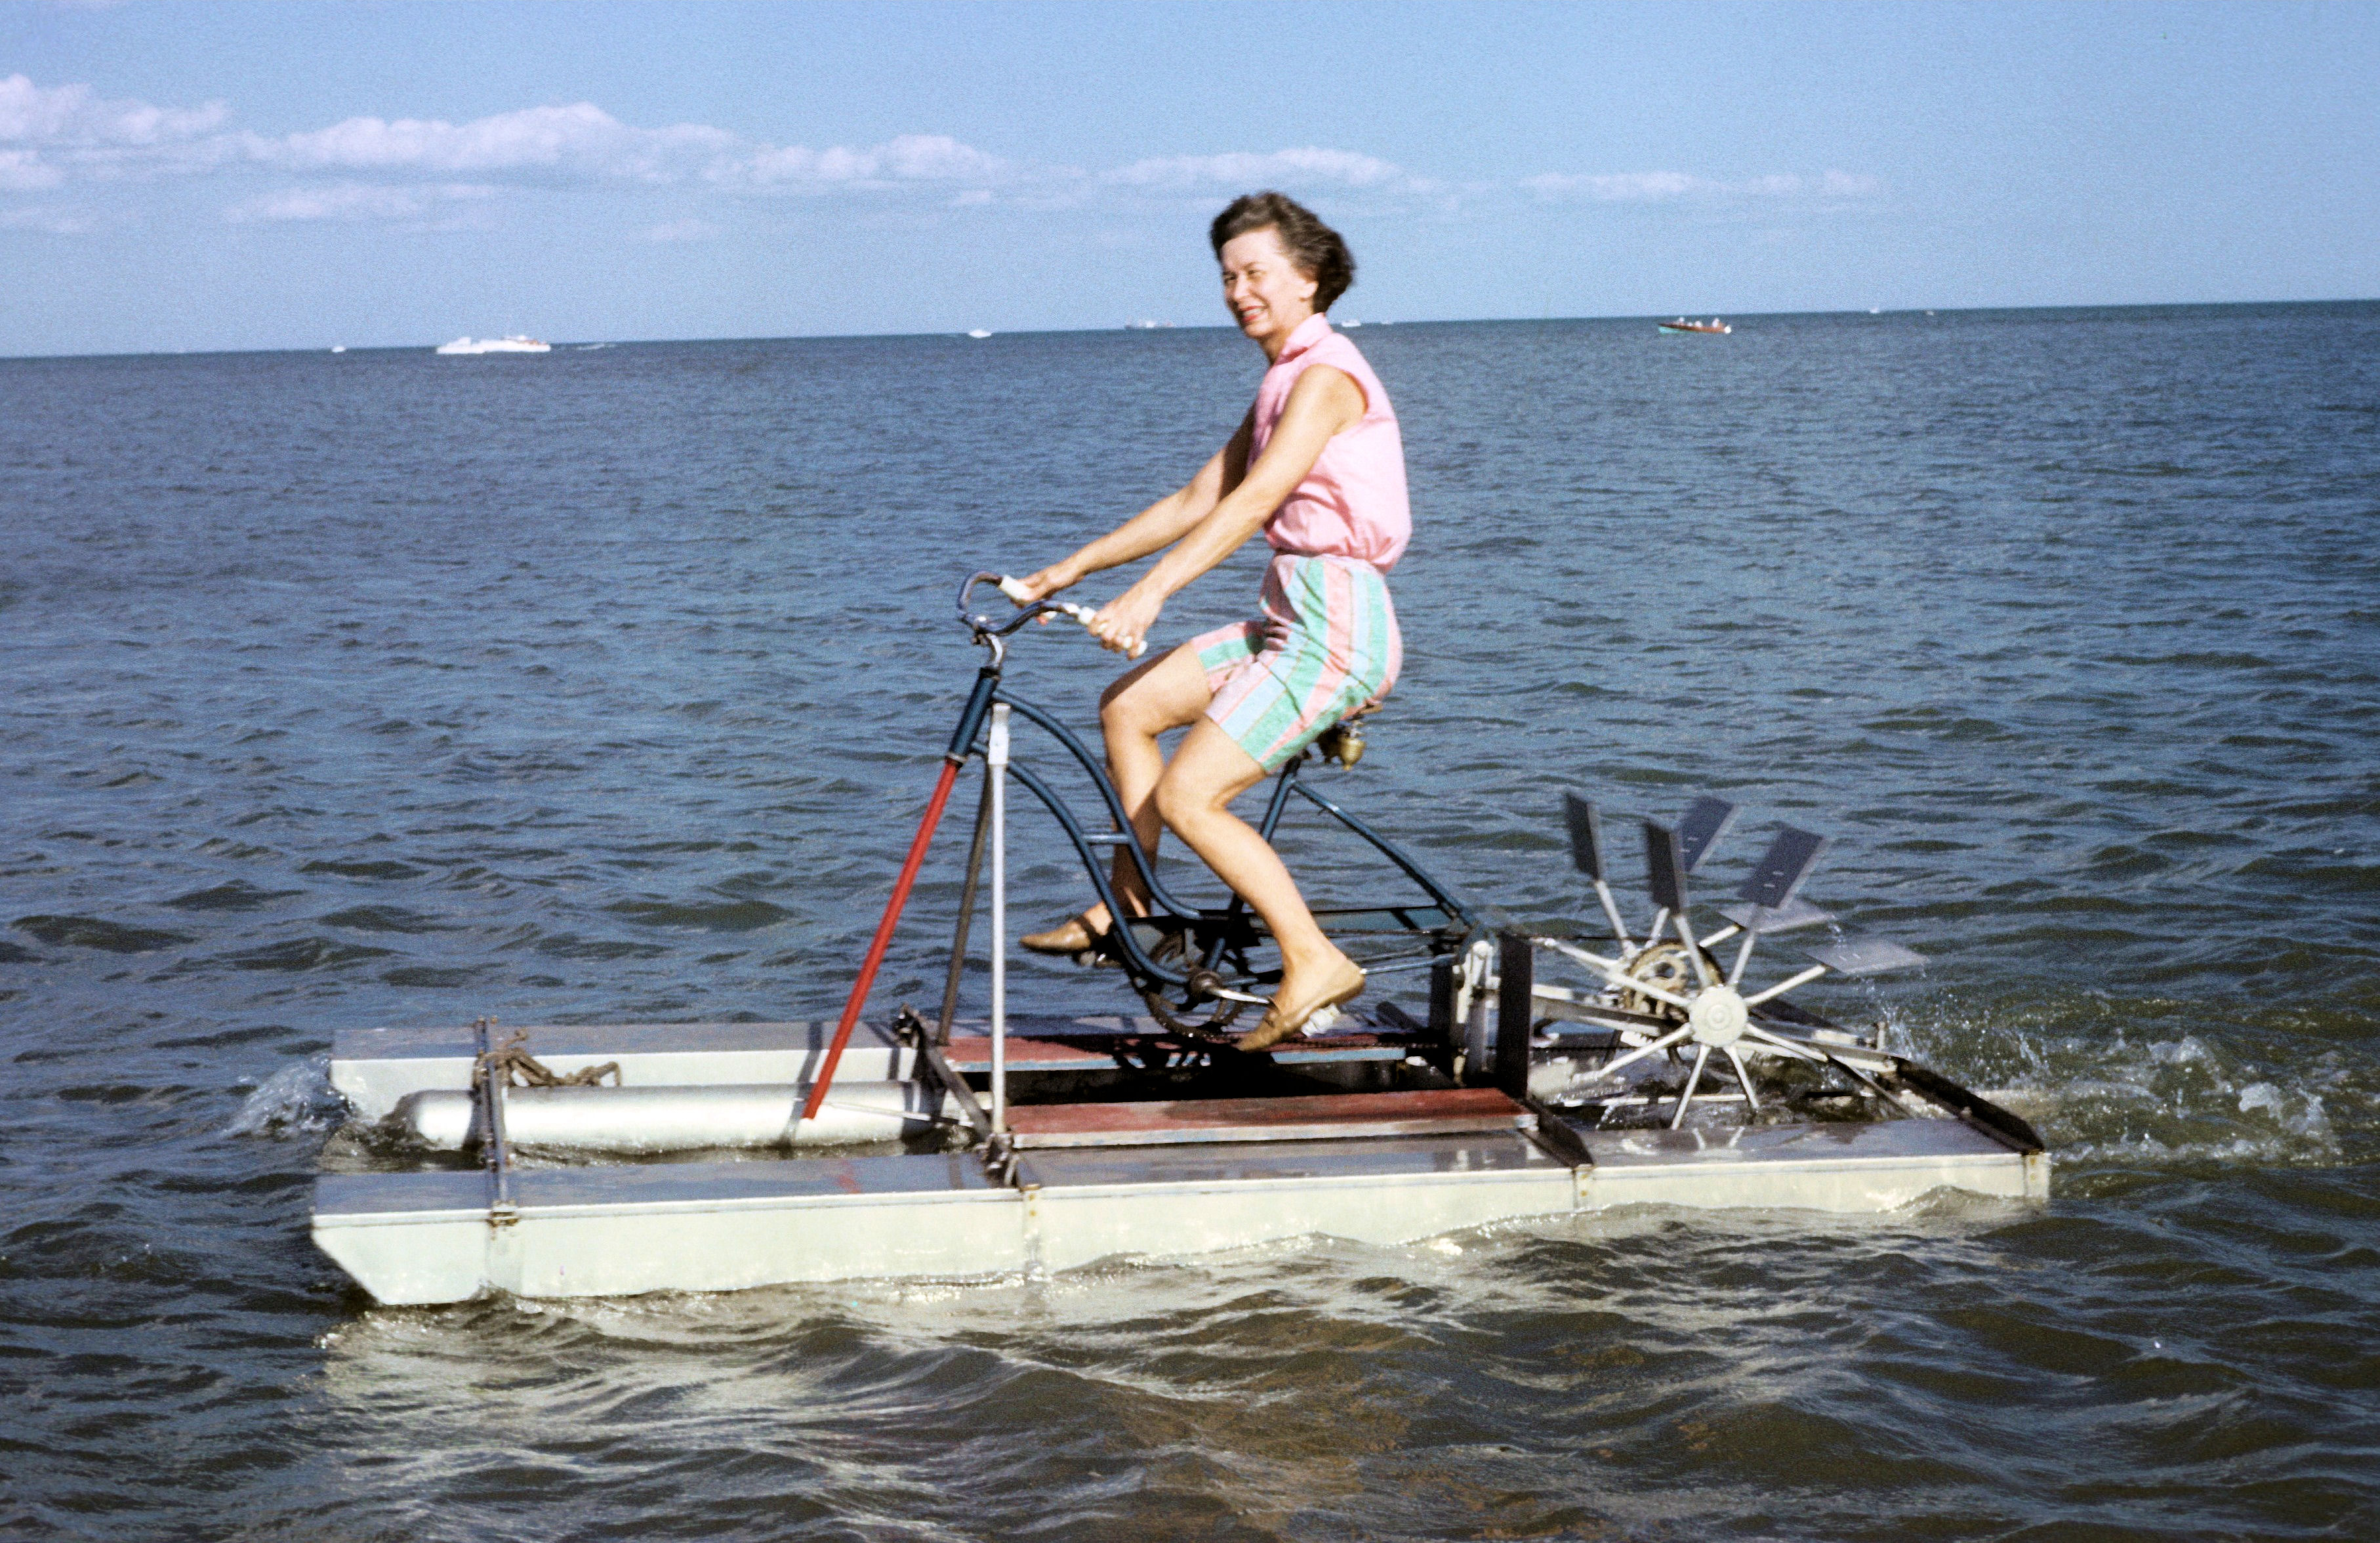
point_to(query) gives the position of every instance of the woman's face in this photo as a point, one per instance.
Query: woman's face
(1268, 295)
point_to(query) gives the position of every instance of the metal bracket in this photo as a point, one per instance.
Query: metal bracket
(495, 1151)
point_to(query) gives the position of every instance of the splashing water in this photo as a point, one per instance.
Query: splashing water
(2183, 1102)
(295, 1100)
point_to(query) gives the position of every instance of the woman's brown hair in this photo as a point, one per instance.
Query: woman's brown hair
(1320, 253)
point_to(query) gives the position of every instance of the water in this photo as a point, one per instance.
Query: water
(388, 688)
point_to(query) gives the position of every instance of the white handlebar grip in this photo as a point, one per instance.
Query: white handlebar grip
(1014, 589)
(1086, 615)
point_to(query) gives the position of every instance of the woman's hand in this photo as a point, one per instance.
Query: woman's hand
(1122, 624)
(1035, 587)
(1042, 585)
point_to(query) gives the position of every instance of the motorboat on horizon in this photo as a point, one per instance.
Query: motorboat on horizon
(519, 342)
(1715, 327)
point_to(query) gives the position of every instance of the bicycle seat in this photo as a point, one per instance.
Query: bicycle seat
(1342, 741)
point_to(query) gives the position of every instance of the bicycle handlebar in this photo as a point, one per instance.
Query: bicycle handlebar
(985, 627)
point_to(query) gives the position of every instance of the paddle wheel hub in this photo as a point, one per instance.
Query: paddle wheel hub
(1717, 1017)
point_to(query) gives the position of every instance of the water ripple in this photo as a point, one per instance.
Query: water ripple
(358, 691)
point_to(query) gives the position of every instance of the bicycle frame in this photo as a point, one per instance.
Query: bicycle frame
(1210, 936)
(1214, 933)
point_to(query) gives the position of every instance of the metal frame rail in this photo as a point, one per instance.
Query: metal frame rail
(1210, 938)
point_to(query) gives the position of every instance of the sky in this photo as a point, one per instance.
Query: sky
(293, 175)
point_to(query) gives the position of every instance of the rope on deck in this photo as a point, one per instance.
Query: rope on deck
(512, 1063)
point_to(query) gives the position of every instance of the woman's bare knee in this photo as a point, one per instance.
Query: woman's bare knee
(1180, 802)
(1119, 713)
(1162, 694)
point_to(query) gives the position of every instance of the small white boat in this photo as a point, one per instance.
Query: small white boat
(338, 347)
(519, 342)
(977, 332)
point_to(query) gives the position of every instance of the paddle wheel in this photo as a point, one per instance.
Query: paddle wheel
(1668, 993)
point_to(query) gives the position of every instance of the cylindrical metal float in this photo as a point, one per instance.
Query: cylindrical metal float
(674, 1119)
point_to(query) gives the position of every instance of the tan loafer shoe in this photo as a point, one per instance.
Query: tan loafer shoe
(1071, 936)
(1280, 1023)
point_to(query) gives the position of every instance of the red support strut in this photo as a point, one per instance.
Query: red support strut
(860, 988)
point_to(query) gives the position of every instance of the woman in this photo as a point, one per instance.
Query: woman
(1318, 466)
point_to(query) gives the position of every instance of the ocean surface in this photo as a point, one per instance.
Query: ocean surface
(606, 686)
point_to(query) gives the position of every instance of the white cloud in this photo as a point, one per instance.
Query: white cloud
(1248, 170)
(69, 115)
(911, 158)
(352, 200)
(581, 139)
(23, 171)
(47, 131)
(1616, 187)
(1663, 187)
(49, 221)
(408, 169)
(680, 230)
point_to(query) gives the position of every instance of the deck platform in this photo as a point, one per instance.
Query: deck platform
(1045, 1043)
(1082, 1182)
(1325, 1117)
(374, 1068)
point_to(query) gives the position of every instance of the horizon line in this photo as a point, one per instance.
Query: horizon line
(1196, 326)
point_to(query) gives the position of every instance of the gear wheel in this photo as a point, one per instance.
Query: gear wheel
(1198, 1014)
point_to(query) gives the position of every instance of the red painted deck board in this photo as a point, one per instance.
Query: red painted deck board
(973, 1053)
(1326, 1116)
(968, 1052)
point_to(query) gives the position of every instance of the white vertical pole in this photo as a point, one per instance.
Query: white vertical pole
(1476, 1055)
(996, 757)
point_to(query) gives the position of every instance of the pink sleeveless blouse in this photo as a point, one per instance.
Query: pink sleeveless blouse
(1353, 503)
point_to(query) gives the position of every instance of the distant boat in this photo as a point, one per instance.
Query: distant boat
(1343, 326)
(516, 344)
(338, 347)
(1146, 326)
(1714, 326)
(977, 332)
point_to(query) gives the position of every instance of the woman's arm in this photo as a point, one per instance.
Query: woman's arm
(1323, 402)
(1160, 525)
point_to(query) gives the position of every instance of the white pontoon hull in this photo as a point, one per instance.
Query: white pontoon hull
(623, 1229)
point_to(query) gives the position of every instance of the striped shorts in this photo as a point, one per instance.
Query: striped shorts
(1327, 646)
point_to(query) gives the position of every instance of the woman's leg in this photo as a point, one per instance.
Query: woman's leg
(1207, 771)
(1143, 703)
